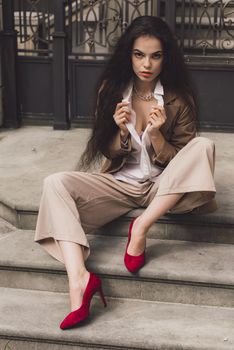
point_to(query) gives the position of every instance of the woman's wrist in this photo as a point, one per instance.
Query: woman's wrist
(124, 135)
(124, 138)
(155, 134)
(158, 141)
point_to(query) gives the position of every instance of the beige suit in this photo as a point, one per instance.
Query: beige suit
(75, 203)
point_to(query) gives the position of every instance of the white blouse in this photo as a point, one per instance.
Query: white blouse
(138, 167)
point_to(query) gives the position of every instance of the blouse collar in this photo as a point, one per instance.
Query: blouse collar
(158, 93)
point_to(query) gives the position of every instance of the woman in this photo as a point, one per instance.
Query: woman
(145, 126)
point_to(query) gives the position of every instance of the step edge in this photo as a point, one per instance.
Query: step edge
(67, 342)
(179, 219)
(123, 277)
(211, 219)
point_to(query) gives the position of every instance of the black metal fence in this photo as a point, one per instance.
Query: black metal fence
(205, 27)
(51, 46)
(93, 26)
(34, 23)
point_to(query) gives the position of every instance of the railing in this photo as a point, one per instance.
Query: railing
(205, 26)
(95, 26)
(71, 29)
(34, 22)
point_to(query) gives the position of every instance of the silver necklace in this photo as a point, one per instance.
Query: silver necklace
(147, 97)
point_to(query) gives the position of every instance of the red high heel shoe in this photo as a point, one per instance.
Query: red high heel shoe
(94, 285)
(133, 263)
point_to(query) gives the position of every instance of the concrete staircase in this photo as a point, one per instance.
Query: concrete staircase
(183, 298)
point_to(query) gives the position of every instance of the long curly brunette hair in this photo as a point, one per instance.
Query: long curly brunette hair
(118, 73)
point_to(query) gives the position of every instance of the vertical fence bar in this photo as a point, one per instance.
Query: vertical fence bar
(60, 73)
(182, 25)
(69, 29)
(194, 32)
(191, 19)
(170, 15)
(158, 6)
(76, 24)
(9, 55)
(215, 24)
(24, 28)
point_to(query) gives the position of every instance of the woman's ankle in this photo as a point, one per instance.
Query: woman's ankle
(77, 288)
(140, 227)
(79, 280)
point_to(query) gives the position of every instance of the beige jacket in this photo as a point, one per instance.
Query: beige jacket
(178, 130)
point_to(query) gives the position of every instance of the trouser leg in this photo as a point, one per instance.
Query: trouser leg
(190, 172)
(74, 204)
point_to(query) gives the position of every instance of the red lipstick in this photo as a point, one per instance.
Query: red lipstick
(146, 74)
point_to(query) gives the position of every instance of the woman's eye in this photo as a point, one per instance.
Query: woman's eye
(157, 56)
(138, 54)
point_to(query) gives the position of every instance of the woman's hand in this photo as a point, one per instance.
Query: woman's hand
(121, 117)
(156, 119)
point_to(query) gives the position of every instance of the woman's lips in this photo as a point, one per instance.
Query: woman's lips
(146, 74)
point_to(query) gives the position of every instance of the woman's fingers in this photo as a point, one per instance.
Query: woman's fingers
(121, 104)
(156, 119)
(121, 116)
(122, 107)
(159, 111)
(158, 114)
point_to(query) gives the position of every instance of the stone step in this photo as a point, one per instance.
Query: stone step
(212, 228)
(30, 320)
(176, 271)
(29, 154)
(217, 227)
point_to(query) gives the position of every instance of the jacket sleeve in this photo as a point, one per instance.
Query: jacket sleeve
(183, 131)
(117, 148)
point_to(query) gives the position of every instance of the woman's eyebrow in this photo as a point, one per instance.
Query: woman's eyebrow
(160, 51)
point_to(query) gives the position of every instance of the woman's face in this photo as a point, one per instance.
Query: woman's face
(147, 58)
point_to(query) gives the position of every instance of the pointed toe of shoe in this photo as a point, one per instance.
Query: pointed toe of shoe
(134, 263)
(74, 318)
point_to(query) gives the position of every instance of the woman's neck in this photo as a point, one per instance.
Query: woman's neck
(144, 87)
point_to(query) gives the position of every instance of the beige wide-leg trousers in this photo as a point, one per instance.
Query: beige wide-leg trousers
(74, 204)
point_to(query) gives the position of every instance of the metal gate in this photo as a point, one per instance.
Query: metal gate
(54, 51)
(93, 29)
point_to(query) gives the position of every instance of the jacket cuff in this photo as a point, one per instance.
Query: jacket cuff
(118, 147)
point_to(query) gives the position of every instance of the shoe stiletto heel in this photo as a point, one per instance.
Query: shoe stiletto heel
(75, 317)
(133, 263)
(102, 296)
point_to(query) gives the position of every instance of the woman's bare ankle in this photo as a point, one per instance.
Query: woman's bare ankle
(138, 238)
(77, 287)
(139, 227)
(79, 279)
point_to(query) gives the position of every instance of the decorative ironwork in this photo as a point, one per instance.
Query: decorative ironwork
(206, 26)
(34, 24)
(95, 26)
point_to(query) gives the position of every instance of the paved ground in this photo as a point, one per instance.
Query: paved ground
(29, 154)
(6, 228)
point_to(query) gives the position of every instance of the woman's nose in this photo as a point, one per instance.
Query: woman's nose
(147, 62)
